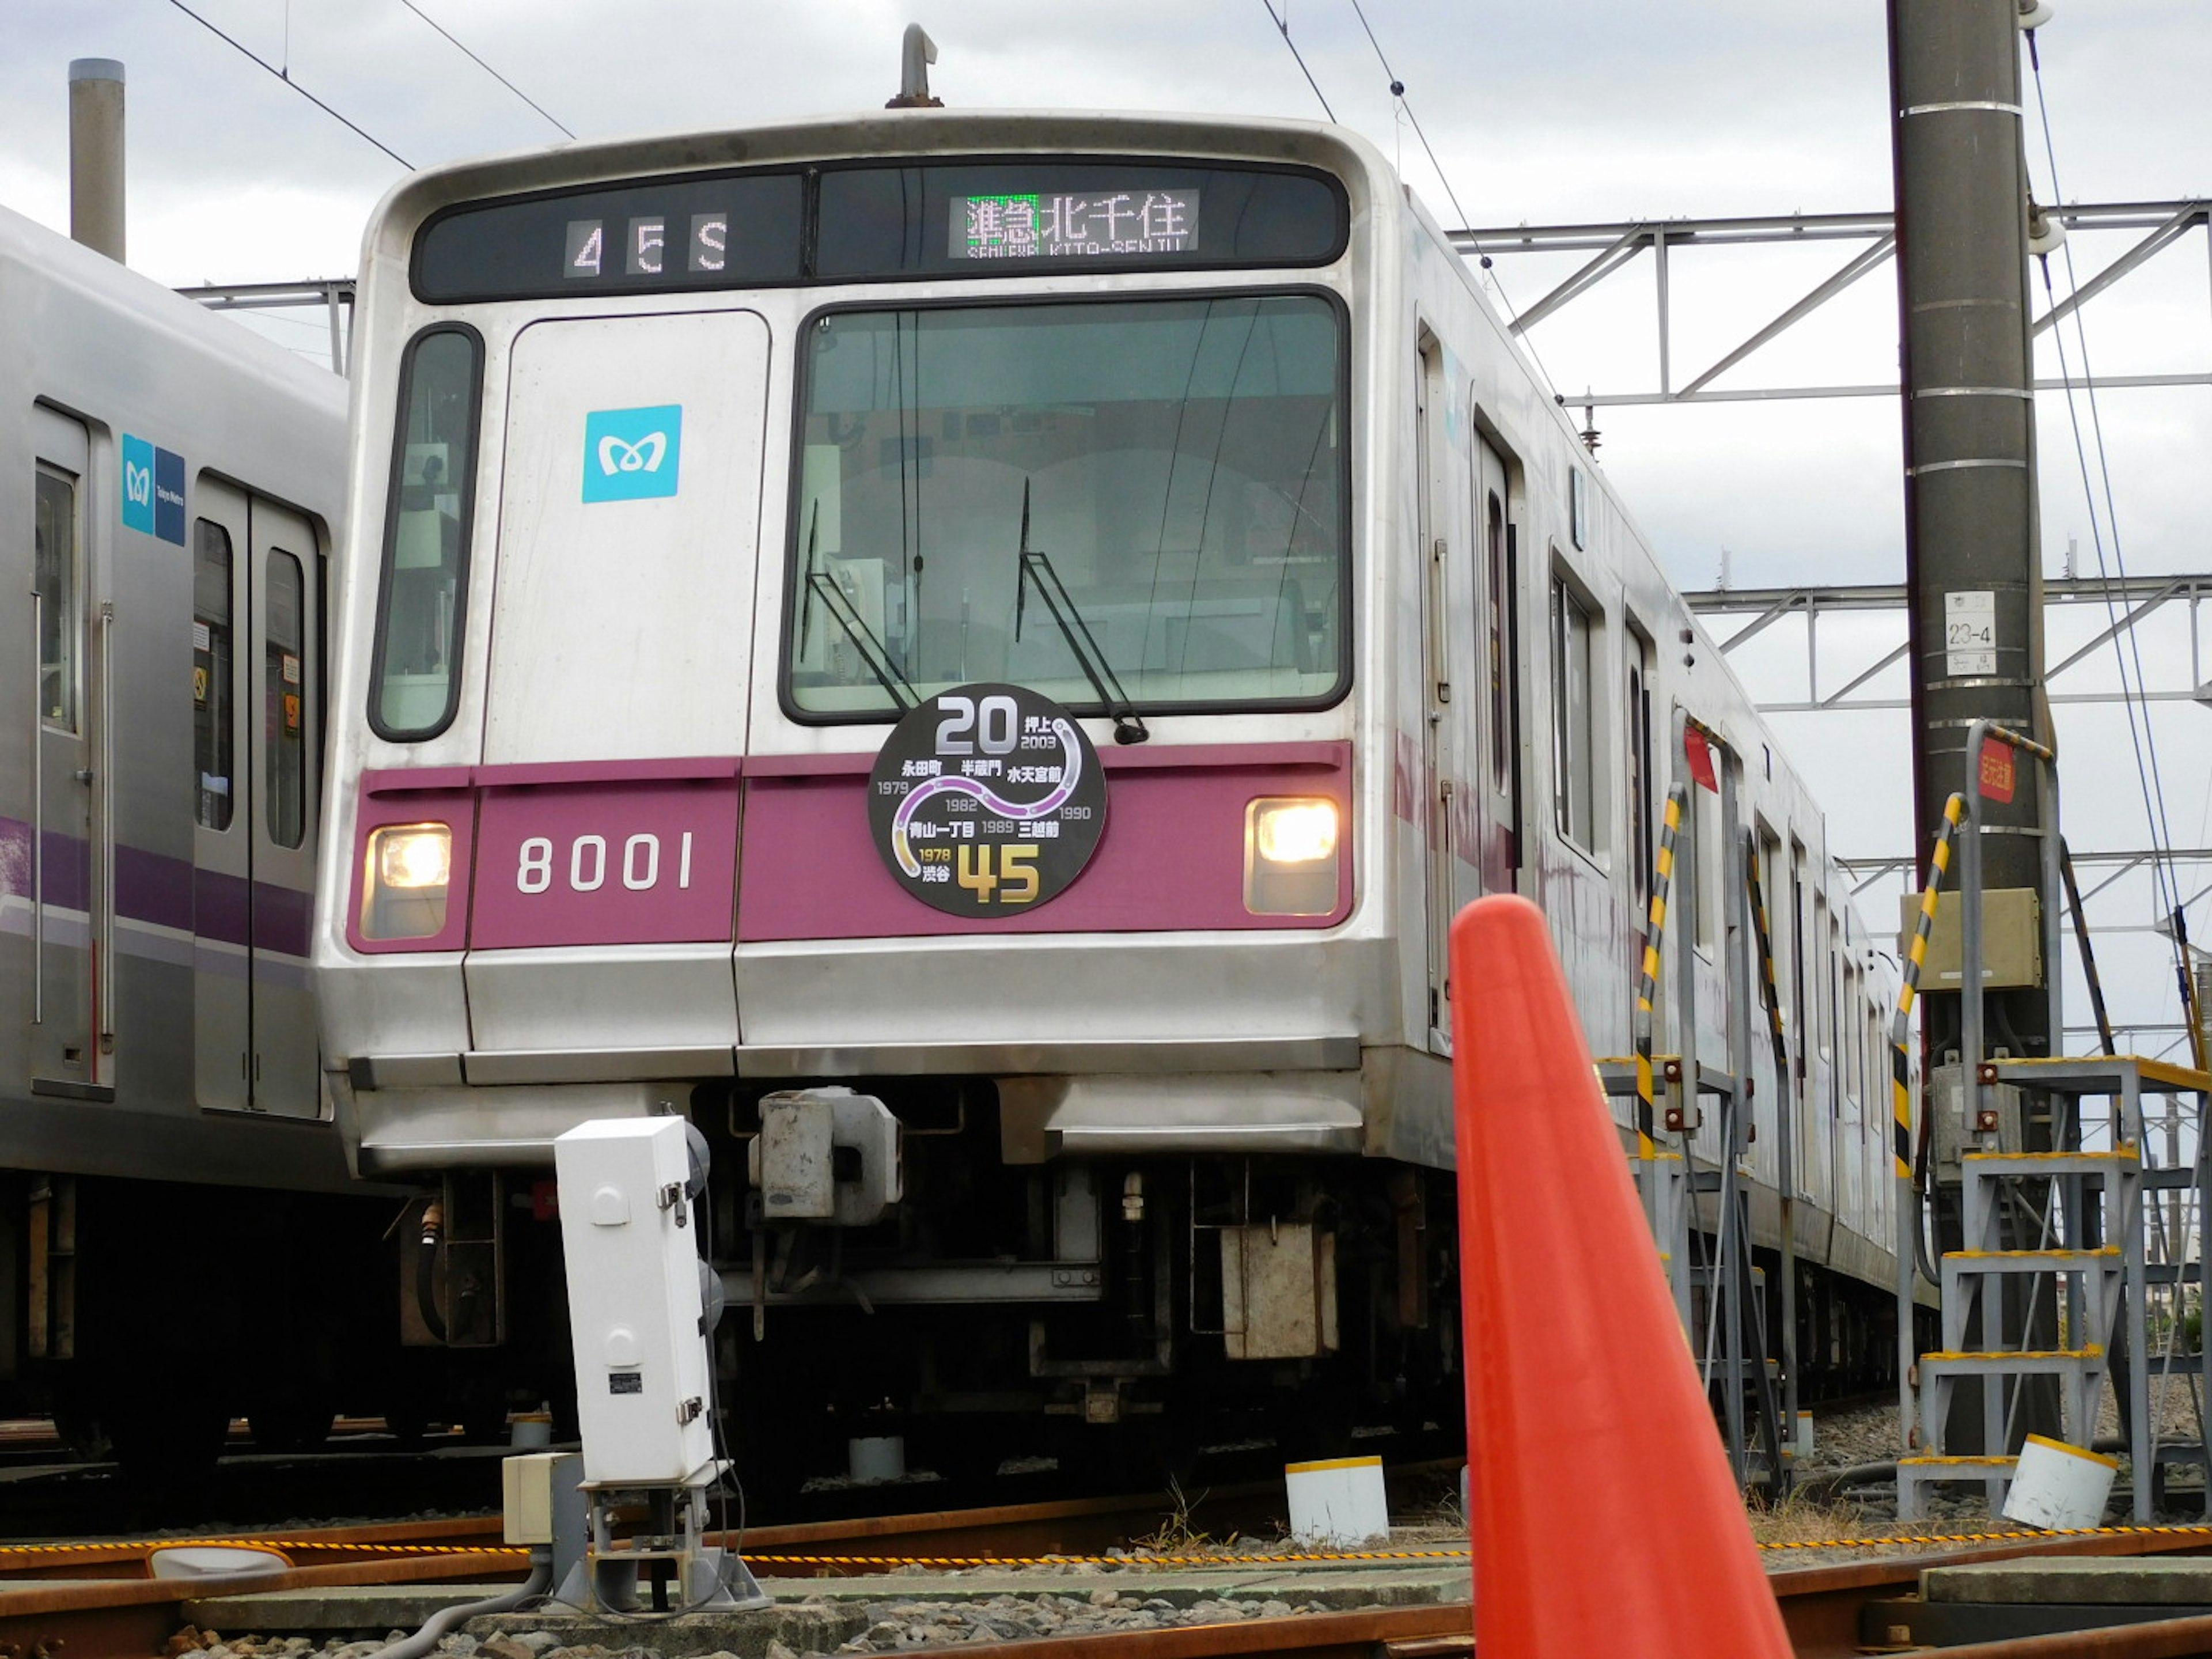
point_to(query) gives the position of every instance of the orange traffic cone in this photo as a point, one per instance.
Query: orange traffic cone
(1605, 1517)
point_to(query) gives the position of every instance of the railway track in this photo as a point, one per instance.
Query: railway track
(95, 1599)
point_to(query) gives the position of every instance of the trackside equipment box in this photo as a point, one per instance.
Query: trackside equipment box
(642, 1384)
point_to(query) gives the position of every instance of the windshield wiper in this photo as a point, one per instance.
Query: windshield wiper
(820, 583)
(1033, 566)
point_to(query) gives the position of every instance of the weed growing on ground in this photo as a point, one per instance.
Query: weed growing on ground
(1175, 1535)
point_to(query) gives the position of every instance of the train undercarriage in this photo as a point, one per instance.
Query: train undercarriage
(1116, 1313)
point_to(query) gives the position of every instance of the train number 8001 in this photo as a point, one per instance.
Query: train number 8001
(591, 862)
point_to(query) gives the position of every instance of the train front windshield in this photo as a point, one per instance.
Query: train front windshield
(982, 491)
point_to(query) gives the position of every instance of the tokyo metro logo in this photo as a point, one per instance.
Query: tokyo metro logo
(632, 454)
(153, 490)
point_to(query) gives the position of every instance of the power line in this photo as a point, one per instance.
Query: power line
(1397, 92)
(281, 76)
(1283, 27)
(2149, 777)
(487, 68)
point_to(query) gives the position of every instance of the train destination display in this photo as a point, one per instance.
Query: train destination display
(753, 229)
(1038, 227)
(986, 801)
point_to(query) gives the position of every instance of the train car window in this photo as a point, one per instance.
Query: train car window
(213, 728)
(284, 693)
(53, 580)
(1173, 472)
(1501, 725)
(1711, 866)
(1640, 766)
(1005, 218)
(1850, 1031)
(413, 682)
(1573, 773)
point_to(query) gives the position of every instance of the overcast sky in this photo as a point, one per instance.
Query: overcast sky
(1539, 113)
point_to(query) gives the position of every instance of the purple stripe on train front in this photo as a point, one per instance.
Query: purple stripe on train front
(1172, 858)
(631, 771)
(1172, 757)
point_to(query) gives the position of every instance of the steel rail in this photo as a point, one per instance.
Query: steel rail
(133, 1619)
(304, 1548)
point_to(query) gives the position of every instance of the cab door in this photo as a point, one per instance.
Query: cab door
(68, 900)
(618, 695)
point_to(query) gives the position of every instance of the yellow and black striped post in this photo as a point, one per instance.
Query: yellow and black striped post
(1900, 1061)
(1900, 1091)
(1647, 984)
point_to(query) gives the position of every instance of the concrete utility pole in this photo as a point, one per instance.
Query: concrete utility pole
(96, 154)
(1973, 568)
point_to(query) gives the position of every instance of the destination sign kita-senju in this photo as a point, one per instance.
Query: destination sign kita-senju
(1045, 226)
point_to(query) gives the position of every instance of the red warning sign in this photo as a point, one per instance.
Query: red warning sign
(1701, 759)
(1995, 779)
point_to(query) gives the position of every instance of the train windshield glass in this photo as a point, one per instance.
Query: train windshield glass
(1173, 469)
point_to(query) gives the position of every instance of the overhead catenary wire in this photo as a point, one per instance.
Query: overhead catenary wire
(1398, 93)
(1283, 27)
(2127, 647)
(487, 68)
(285, 75)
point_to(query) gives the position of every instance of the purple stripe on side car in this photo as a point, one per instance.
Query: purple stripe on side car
(163, 891)
(154, 887)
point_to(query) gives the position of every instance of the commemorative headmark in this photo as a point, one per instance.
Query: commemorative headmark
(986, 800)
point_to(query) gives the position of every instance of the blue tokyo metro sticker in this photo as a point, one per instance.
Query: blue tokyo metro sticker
(153, 490)
(631, 454)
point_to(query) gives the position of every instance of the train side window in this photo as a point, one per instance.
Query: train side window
(1573, 777)
(53, 580)
(414, 681)
(284, 701)
(1640, 784)
(212, 726)
(1501, 725)
(1711, 863)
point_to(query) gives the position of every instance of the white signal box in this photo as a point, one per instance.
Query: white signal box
(643, 1383)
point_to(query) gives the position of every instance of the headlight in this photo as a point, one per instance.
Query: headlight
(415, 855)
(1290, 857)
(1294, 831)
(409, 868)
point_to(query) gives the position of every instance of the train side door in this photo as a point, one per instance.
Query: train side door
(283, 672)
(256, 679)
(1437, 733)
(1497, 772)
(222, 817)
(65, 881)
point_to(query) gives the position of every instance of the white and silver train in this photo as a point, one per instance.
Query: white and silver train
(167, 1151)
(974, 656)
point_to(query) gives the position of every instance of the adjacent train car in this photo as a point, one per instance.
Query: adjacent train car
(169, 1172)
(974, 657)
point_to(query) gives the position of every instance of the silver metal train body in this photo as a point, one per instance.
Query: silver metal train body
(170, 484)
(687, 465)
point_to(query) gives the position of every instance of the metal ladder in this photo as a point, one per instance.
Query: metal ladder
(2092, 1279)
